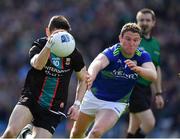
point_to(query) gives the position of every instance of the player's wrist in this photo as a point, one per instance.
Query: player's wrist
(158, 94)
(48, 46)
(77, 103)
(137, 69)
(49, 42)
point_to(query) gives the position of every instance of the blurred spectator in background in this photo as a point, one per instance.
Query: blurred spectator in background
(95, 23)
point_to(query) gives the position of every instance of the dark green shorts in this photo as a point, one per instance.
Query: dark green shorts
(42, 118)
(140, 99)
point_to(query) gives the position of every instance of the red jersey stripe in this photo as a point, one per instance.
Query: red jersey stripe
(54, 94)
(44, 82)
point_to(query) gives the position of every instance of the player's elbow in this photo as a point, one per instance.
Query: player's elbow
(83, 79)
(37, 67)
(35, 63)
(154, 76)
(151, 76)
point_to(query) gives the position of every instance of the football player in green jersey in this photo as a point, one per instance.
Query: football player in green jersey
(141, 118)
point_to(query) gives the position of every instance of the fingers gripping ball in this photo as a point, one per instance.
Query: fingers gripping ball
(63, 44)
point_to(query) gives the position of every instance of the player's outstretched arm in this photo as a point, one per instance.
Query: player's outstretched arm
(82, 84)
(80, 91)
(147, 70)
(99, 63)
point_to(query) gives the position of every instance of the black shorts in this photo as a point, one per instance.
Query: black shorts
(41, 117)
(140, 99)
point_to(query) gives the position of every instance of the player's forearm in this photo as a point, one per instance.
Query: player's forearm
(158, 81)
(94, 69)
(40, 60)
(80, 90)
(82, 85)
(99, 63)
(148, 74)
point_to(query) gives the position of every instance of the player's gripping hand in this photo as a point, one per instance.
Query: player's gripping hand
(49, 42)
(132, 65)
(159, 101)
(73, 112)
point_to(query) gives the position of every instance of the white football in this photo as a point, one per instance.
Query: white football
(63, 44)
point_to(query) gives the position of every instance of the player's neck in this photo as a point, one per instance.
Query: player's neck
(127, 55)
(147, 36)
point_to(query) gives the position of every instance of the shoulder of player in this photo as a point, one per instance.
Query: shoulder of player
(40, 42)
(115, 49)
(75, 53)
(140, 52)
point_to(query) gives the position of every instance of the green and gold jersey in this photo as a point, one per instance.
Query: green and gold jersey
(152, 46)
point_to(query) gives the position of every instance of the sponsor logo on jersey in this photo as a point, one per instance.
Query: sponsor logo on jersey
(122, 74)
(52, 71)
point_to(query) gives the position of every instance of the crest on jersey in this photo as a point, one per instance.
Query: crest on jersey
(68, 60)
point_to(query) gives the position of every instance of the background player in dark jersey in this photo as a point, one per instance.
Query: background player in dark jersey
(112, 75)
(141, 119)
(45, 92)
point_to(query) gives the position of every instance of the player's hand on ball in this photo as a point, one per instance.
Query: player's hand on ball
(50, 42)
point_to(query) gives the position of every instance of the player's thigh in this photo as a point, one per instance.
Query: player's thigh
(105, 119)
(41, 133)
(146, 116)
(83, 122)
(20, 116)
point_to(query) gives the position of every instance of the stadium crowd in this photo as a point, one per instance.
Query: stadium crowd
(95, 25)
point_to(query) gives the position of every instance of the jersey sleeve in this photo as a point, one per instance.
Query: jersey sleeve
(159, 59)
(108, 52)
(37, 47)
(77, 60)
(145, 57)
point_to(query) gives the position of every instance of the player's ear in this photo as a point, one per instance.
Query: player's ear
(47, 32)
(140, 40)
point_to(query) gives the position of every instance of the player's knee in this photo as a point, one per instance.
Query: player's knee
(149, 125)
(96, 133)
(10, 132)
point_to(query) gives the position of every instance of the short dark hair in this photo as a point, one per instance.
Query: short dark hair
(59, 22)
(133, 27)
(147, 11)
